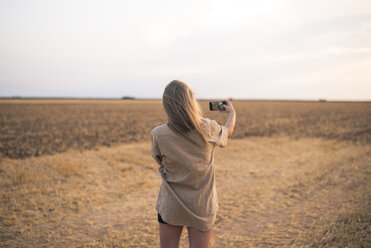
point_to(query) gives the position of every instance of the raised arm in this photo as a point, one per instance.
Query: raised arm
(231, 118)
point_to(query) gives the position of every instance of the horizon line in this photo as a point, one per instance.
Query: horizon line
(126, 98)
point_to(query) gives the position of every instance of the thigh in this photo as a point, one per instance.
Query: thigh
(198, 238)
(170, 235)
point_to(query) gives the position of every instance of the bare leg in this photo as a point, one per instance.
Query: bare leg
(198, 239)
(170, 235)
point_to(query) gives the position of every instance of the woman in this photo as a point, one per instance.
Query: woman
(184, 149)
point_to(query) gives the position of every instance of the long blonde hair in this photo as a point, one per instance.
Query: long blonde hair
(182, 109)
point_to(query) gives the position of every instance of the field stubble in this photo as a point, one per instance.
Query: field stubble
(304, 183)
(37, 127)
(273, 192)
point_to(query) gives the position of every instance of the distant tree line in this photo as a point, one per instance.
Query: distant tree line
(128, 97)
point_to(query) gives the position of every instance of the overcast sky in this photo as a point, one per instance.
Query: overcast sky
(266, 49)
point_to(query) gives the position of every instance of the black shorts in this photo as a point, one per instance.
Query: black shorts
(160, 220)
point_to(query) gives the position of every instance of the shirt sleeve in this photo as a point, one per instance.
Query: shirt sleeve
(218, 134)
(156, 153)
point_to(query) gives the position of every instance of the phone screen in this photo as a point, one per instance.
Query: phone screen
(217, 105)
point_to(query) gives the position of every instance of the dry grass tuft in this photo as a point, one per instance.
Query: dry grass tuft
(350, 227)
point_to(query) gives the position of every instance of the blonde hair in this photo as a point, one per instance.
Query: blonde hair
(182, 109)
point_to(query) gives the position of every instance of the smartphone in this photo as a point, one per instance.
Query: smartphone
(218, 105)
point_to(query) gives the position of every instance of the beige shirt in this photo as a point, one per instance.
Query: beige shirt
(187, 195)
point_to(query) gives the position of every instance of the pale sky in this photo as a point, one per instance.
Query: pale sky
(266, 49)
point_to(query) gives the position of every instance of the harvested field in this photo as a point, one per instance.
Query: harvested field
(273, 192)
(37, 127)
(78, 173)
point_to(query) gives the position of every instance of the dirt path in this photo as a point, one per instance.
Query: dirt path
(273, 192)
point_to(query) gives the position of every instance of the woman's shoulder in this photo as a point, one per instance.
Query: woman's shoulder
(208, 123)
(214, 132)
(209, 126)
(159, 130)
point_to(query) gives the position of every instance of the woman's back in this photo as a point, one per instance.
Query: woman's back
(185, 158)
(187, 169)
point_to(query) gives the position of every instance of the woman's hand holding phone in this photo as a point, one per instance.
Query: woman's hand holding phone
(228, 107)
(225, 107)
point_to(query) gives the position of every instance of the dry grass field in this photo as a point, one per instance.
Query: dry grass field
(79, 174)
(37, 127)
